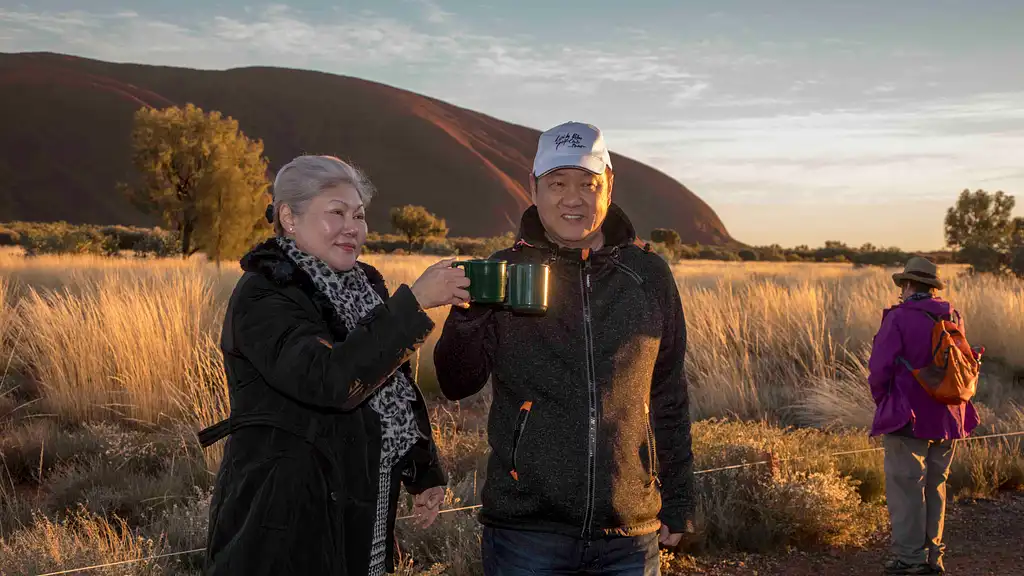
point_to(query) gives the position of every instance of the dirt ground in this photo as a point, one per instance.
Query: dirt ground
(983, 537)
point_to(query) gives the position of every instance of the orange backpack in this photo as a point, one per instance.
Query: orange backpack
(952, 376)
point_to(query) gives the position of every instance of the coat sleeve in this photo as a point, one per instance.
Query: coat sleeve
(670, 409)
(423, 469)
(464, 353)
(299, 358)
(886, 347)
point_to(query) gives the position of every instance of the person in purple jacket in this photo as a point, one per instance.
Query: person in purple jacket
(917, 431)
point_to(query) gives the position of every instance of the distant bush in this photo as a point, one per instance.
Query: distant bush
(158, 243)
(664, 251)
(1017, 261)
(666, 236)
(748, 255)
(983, 259)
(890, 257)
(438, 247)
(722, 254)
(127, 237)
(385, 243)
(62, 238)
(9, 237)
(470, 246)
(686, 252)
(496, 243)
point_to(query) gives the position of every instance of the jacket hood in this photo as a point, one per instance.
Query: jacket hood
(617, 228)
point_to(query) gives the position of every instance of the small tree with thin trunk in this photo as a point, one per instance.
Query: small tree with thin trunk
(417, 224)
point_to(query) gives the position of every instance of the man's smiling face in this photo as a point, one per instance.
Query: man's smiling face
(572, 204)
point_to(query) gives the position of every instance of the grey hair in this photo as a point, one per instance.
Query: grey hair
(306, 177)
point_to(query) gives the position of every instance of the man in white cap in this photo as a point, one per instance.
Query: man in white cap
(591, 462)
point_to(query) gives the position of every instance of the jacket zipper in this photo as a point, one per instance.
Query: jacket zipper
(652, 449)
(517, 435)
(588, 517)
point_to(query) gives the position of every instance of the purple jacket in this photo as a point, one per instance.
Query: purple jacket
(899, 398)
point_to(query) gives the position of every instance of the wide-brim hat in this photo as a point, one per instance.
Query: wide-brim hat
(921, 270)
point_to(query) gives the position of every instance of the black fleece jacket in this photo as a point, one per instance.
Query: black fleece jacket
(589, 427)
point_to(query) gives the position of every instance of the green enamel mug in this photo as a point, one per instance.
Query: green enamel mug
(486, 280)
(528, 288)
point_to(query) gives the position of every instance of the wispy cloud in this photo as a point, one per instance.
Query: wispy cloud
(433, 13)
(278, 33)
(908, 150)
(689, 93)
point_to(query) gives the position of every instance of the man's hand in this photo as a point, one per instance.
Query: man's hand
(670, 539)
(426, 505)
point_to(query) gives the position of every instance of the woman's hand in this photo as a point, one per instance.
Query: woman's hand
(441, 285)
(426, 505)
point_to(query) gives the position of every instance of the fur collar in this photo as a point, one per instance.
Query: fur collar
(269, 260)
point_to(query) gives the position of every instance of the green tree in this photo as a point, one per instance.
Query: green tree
(1017, 261)
(201, 175)
(417, 224)
(230, 210)
(1017, 235)
(980, 219)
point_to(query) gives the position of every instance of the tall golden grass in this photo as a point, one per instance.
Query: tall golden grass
(136, 342)
(789, 342)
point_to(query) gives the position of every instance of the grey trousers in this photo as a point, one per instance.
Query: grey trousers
(915, 492)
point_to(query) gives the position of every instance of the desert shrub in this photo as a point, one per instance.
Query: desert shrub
(9, 237)
(385, 243)
(437, 247)
(61, 238)
(158, 243)
(469, 246)
(80, 539)
(665, 236)
(771, 254)
(891, 258)
(983, 259)
(664, 251)
(450, 546)
(808, 502)
(136, 478)
(32, 451)
(1017, 261)
(687, 252)
(715, 253)
(125, 236)
(747, 255)
(496, 243)
(183, 525)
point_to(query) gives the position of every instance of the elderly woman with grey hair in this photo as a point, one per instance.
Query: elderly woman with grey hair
(326, 421)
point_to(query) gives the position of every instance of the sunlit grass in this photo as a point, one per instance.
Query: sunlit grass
(134, 343)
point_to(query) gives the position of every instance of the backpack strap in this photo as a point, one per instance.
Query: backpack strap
(934, 318)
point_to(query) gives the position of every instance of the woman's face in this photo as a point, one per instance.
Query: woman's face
(332, 228)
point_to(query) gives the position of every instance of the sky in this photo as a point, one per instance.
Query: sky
(798, 121)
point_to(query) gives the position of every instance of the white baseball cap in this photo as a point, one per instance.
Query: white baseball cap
(572, 145)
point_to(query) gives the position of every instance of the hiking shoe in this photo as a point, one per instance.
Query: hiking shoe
(900, 567)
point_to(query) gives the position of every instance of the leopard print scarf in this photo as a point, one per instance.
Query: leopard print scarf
(353, 298)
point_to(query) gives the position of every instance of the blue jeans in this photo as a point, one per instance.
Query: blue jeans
(520, 553)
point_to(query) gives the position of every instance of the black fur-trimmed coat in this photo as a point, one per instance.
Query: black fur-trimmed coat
(296, 491)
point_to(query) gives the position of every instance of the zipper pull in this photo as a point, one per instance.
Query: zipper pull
(588, 281)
